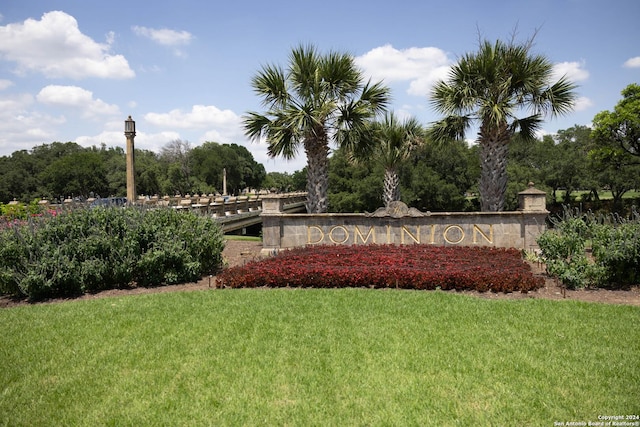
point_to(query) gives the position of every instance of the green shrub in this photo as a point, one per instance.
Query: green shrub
(563, 250)
(89, 250)
(617, 251)
(615, 245)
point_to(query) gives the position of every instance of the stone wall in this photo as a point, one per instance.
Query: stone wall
(398, 224)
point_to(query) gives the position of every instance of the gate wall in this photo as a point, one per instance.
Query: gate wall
(397, 224)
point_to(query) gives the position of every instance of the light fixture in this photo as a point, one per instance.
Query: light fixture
(129, 127)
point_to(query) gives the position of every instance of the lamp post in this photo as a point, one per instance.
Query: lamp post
(130, 133)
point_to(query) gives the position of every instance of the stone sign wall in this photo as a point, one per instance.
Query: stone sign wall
(397, 224)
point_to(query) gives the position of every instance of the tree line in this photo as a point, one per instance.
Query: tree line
(435, 177)
(65, 169)
(445, 177)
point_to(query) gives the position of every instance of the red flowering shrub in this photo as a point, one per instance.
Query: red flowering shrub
(388, 266)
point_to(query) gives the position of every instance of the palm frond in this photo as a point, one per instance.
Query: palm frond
(303, 72)
(377, 96)
(341, 78)
(560, 97)
(280, 145)
(270, 84)
(284, 139)
(255, 125)
(527, 126)
(450, 128)
(389, 141)
(498, 81)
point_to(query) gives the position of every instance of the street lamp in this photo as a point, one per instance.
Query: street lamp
(130, 133)
(129, 127)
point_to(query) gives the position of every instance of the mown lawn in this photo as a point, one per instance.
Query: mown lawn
(603, 195)
(317, 357)
(242, 238)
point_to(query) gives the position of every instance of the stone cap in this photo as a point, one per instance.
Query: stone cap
(532, 190)
(532, 200)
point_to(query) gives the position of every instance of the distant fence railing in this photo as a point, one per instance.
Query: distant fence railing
(215, 206)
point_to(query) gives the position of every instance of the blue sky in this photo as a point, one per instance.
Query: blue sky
(74, 70)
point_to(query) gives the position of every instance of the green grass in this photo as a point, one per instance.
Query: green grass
(242, 238)
(317, 357)
(603, 195)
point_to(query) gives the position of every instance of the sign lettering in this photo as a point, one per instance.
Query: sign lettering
(453, 234)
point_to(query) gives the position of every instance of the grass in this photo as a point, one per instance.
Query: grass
(603, 195)
(317, 357)
(242, 238)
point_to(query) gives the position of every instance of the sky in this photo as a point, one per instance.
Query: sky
(74, 70)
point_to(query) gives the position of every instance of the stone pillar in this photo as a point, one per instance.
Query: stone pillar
(272, 223)
(130, 133)
(273, 203)
(224, 181)
(533, 205)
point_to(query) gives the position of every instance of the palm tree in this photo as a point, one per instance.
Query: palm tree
(491, 87)
(393, 141)
(316, 100)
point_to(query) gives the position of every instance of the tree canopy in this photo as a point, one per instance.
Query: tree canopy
(622, 125)
(60, 170)
(391, 142)
(492, 87)
(316, 100)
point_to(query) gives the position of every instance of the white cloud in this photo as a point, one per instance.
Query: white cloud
(165, 37)
(574, 71)
(73, 96)
(422, 67)
(55, 47)
(150, 69)
(15, 104)
(221, 126)
(200, 116)
(582, 103)
(76, 97)
(633, 62)
(21, 128)
(4, 84)
(111, 36)
(422, 86)
(115, 138)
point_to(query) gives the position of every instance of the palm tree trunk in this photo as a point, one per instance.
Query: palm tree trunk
(317, 151)
(391, 186)
(494, 146)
